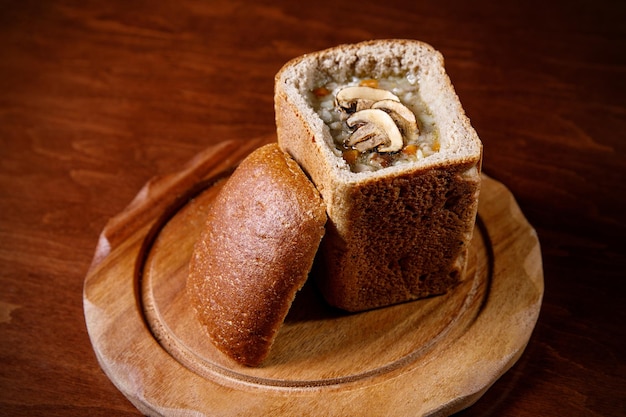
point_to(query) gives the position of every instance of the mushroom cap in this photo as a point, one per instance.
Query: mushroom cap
(347, 97)
(400, 114)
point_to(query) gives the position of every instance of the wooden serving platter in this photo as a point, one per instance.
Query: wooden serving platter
(428, 357)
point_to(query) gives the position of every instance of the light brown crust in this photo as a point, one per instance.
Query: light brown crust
(255, 253)
(400, 233)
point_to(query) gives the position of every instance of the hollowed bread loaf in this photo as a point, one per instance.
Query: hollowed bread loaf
(396, 231)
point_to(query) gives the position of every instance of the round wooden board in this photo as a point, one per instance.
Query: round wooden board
(428, 357)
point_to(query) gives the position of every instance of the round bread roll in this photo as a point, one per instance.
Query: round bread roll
(255, 253)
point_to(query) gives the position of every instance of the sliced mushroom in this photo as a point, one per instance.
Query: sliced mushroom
(361, 98)
(401, 115)
(378, 121)
(367, 136)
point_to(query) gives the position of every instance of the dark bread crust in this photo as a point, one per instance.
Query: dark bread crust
(400, 233)
(255, 253)
(409, 240)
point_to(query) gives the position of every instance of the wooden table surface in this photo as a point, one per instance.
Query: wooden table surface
(98, 97)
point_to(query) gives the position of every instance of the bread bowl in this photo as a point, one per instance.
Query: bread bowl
(397, 230)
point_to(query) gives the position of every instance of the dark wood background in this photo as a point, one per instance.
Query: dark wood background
(97, 97)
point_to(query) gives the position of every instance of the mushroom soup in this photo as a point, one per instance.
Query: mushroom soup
(377, 123)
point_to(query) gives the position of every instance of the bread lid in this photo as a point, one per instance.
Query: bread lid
(255, 253)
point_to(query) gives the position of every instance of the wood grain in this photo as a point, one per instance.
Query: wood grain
(98, 97)
(429, 357)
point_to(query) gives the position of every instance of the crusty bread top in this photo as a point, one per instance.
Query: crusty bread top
(377, 59)
(255, 253)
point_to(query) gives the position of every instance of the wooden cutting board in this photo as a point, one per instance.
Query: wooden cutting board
(428, 357)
